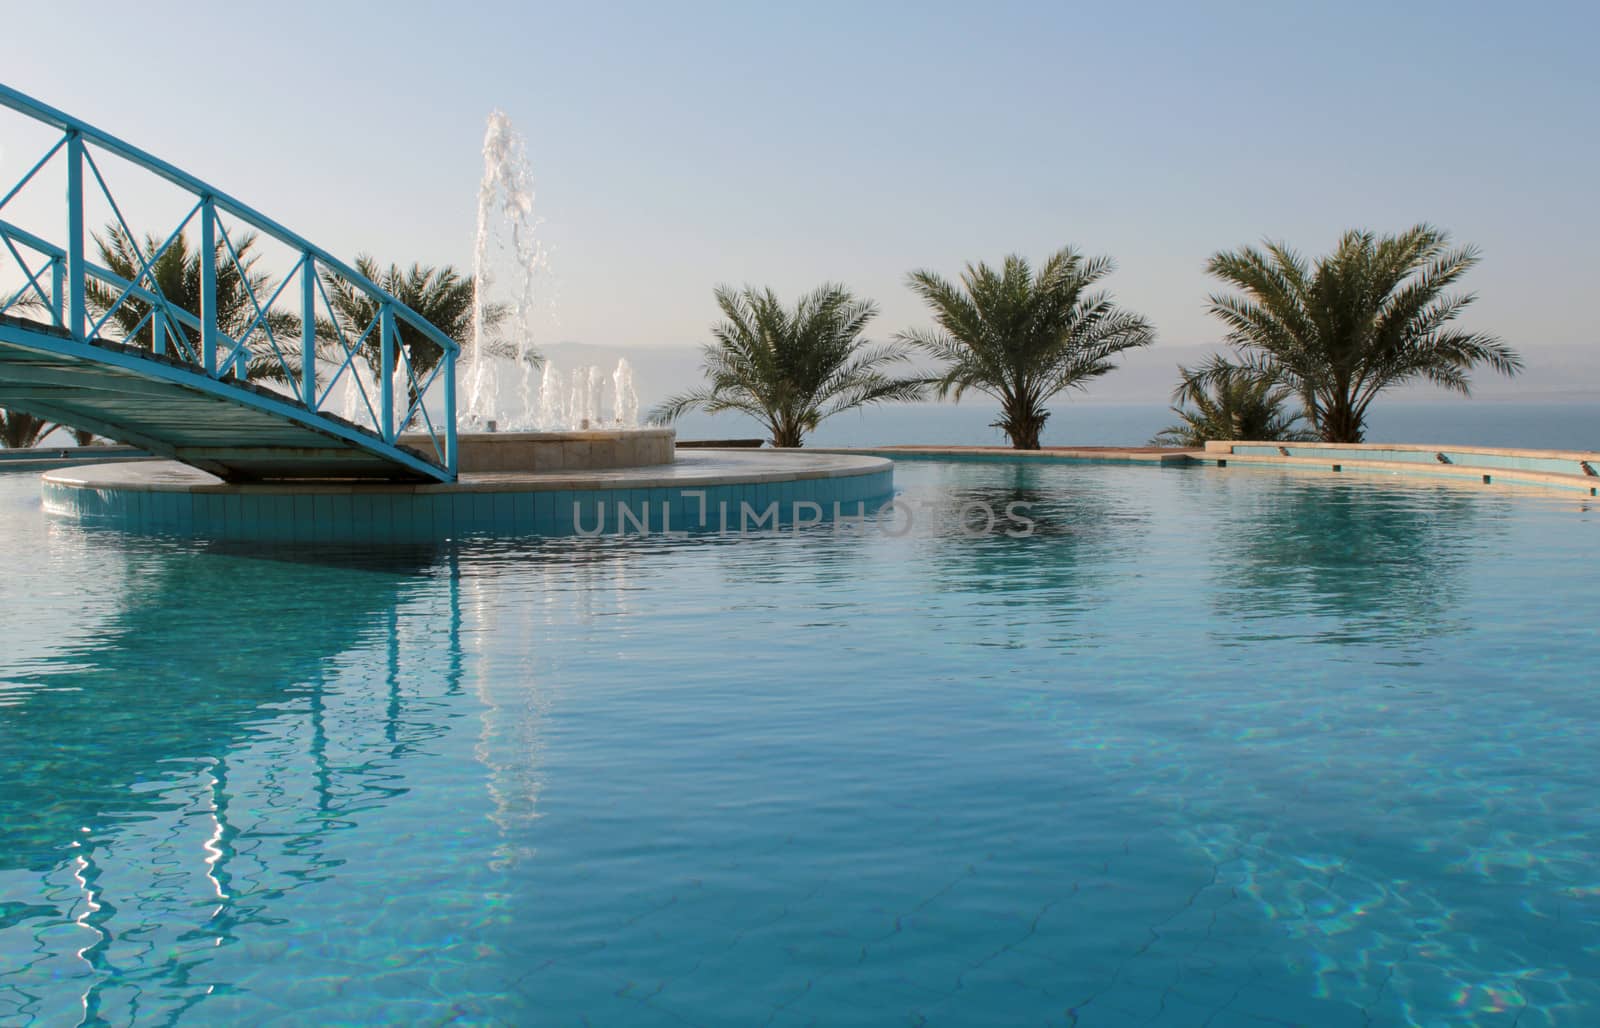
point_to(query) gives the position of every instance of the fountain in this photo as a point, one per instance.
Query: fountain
(506, 232)
(582, 419)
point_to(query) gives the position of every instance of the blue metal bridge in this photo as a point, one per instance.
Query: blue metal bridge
(247, 398)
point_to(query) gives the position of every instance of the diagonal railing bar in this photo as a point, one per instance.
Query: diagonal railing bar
(412, 387)
(18, 296)
(333, 320)
(134, 333)
(403, 360)
(374, 408)
(171, 331)
(40, 163)
(350, 356)
(180, 340)
(339, 337)
(172, 312)
(32, 278)
(31, 241)
(155, 257)
(420, 406)
(352, 353)
(432, 433)
(147, 267)
(261, 316)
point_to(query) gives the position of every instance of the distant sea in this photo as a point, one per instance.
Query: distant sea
(1564, 425)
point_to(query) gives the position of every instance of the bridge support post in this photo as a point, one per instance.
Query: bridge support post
(58, 282)
(208, 285)
(308, 332)
(386, 372)
(450, 410)
(77, 308)
(158, 332)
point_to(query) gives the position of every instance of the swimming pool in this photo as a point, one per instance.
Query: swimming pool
(1223, 747)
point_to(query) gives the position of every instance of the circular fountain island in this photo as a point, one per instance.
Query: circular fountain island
(605, 481)
(518, 484)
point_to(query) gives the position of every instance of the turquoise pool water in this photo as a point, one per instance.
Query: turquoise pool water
(1211, 747)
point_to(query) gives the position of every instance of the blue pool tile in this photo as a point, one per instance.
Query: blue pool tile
(303, 520)
(561, 507)
(505, 513)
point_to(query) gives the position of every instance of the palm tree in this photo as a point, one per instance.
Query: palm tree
(19, 431)
(177, 278)
(1230, 403)
(1373, 314)
(790, 368)
(1023, 337)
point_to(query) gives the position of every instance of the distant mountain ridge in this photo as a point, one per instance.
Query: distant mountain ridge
(1146, 376)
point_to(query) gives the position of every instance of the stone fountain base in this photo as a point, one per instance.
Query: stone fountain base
(562, 451)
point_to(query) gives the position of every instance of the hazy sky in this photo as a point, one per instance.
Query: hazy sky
(676, 146)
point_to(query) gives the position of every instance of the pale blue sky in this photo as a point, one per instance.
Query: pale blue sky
(676, 146)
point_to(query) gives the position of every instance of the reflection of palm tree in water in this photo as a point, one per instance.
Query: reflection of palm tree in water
(101, 740)
(1378, 561)
(1075, 530)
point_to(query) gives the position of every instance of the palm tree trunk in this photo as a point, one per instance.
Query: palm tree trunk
(1341, 424)
(1021, 423)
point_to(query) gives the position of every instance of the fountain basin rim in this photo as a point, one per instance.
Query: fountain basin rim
(694, 470)
(583, 435)
(712, 490)
(580, 450)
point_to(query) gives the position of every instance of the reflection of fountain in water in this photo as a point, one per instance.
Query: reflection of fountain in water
(516, 704)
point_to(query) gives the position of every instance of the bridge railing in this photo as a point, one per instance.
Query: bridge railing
(318, 331)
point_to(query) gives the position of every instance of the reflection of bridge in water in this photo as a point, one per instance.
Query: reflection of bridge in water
(174, 806)
(210, 836)
(84, 345)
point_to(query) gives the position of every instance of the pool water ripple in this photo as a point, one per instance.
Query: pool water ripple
(1208, 748)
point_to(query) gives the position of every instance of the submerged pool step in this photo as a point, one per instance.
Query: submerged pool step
(1491, 466)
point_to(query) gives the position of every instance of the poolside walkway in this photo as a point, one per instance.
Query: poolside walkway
(1101, 454)
(1488, 466)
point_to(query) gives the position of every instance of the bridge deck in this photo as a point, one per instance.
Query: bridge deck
(235, 430)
